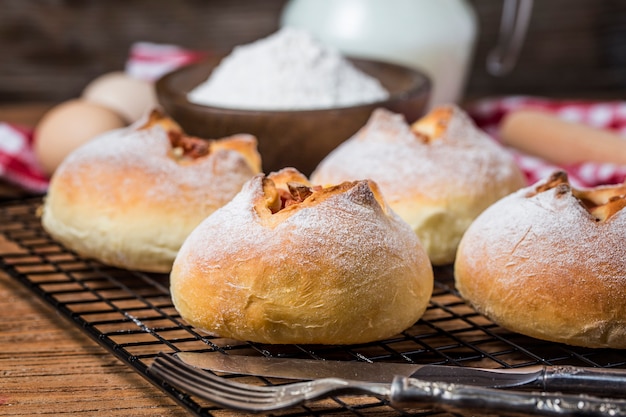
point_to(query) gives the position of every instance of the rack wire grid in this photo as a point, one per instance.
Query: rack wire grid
(131, 315)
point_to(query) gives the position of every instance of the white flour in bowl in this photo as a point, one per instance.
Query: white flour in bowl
(288, 70)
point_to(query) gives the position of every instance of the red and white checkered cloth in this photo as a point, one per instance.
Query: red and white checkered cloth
(18, 165)
(149, 61)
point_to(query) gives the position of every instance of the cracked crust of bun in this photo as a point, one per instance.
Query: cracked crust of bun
(130, 197)
(438, 174)
(333, 267)
(548, 262)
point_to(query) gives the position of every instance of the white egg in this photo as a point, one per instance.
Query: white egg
(128, 96)
(67, 126)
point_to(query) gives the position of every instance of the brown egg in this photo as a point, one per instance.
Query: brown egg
(67, 126)
(128, 96)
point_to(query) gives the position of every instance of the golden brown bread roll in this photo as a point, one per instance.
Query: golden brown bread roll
(129, 197)
(548, 261)
(437, 174)
(287, 263)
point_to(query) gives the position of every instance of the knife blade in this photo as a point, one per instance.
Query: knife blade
(605, 381)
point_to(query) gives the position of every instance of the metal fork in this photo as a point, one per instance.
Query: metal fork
(401, 393)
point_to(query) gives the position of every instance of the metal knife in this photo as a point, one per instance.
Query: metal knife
(580, 380)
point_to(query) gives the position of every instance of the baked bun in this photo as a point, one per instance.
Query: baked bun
(548, 261)
(437, 174)
(130, 197)
(287, 263)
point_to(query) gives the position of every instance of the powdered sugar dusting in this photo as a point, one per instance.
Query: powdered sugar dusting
(343, 233)
(288, 70)
(550, 229)
(147, 152)
(354, 231)
(385, 150)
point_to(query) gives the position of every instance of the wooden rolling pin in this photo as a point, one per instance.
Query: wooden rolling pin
(560, 141)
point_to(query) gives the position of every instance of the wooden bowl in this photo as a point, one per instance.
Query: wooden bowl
(300, 138)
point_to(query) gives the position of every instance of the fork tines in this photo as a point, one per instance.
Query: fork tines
(246, 397)
(218, 390)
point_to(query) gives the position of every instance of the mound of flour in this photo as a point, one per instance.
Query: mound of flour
(288, 70)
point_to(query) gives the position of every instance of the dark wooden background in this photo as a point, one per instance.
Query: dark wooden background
(50, 49)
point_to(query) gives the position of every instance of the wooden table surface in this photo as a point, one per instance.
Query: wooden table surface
(50, 367)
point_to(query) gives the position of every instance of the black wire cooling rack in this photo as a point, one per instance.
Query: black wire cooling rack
(131, 315)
